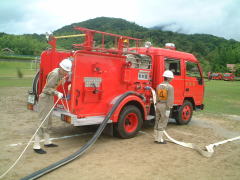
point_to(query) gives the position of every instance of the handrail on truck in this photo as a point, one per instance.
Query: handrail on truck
(122, 43)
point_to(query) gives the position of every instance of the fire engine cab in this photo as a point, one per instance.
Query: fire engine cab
(101, 75)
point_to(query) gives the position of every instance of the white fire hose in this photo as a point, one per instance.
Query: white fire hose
(37, 131)
(209, 148)
(65, 95)
(29, 142)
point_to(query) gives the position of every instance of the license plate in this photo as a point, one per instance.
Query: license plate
(31, 99)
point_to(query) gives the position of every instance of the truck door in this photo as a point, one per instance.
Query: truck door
(194, 82)
(174, 65)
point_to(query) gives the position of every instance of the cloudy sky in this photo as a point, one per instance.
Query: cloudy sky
(217, 17)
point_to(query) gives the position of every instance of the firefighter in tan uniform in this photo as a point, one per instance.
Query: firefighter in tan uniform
(165, 98)
(46, 102)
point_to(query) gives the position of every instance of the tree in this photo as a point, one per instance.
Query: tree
(237, 70)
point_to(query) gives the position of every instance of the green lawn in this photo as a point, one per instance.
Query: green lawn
(19, 57)
(222, 97)
(16, 74)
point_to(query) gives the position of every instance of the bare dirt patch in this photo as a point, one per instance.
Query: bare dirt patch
(113, 158)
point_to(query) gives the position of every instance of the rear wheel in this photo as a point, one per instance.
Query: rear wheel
(184, 114)
(35, 85)
(129, 123)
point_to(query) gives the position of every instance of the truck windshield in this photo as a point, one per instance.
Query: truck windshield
(227, 75)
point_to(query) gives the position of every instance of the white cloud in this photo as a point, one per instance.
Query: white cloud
(217, 17)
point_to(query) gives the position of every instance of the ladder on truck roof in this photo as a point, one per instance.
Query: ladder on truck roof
(121, 44)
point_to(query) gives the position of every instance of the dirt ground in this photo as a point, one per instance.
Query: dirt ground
(112, 158)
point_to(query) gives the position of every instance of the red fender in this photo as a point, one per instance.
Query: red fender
(115, 116)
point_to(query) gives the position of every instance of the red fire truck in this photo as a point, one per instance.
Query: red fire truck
(217, 76)
(101, 75)
(228, 77)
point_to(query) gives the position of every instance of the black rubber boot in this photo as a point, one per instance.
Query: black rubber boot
(40, 151)
(164, 142)
(50, 145)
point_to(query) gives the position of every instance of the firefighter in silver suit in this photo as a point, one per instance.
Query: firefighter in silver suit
(46, 102)
(165, 99)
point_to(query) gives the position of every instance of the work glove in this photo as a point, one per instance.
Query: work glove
(60, 95)
(167, 113)
(69, 87)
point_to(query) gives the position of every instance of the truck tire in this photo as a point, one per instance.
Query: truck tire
(129, 123)
(184, 114)
(35, 84)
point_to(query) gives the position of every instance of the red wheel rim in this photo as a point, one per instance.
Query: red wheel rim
(130, 122)
(186, 113)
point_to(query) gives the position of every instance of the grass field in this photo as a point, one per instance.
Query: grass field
(19, 57)
(16, 74)
(221, 97)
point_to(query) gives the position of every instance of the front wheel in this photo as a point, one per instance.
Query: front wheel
(184, 114)
(129, 123)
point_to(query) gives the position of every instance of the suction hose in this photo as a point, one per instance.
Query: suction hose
(85, 147)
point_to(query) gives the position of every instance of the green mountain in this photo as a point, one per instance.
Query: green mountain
(213, 52)
(110, 25)
(113, 25)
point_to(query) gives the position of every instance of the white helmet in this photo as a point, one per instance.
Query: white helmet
(66, 64)
(168, 74)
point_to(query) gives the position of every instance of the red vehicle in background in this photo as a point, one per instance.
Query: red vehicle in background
(228, 77)
(217, 76)
(100, 76)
